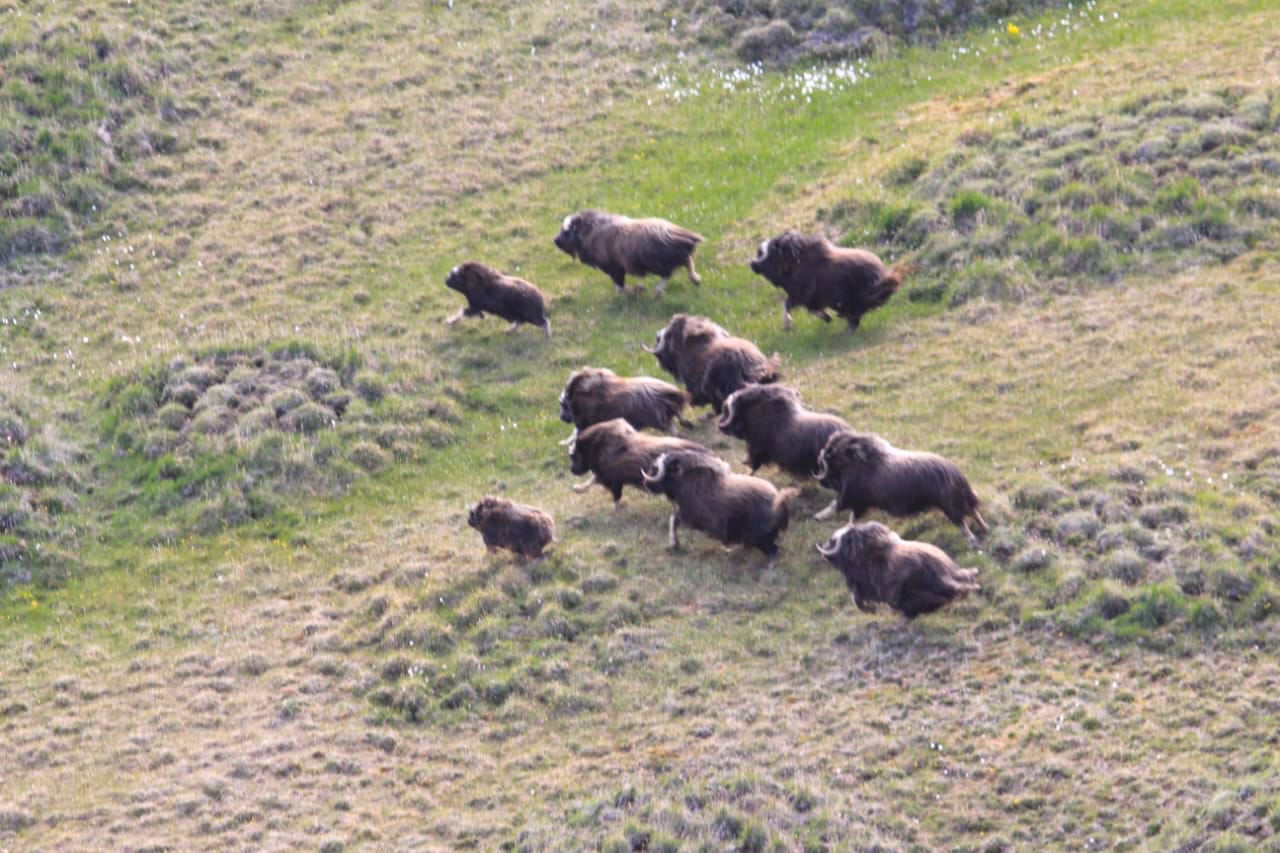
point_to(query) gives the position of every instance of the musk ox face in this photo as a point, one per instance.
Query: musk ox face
(841, 451)
(569, 240)
(583, 381)
(776, 257)
(670, 467)
(755, 402)
(458, 278)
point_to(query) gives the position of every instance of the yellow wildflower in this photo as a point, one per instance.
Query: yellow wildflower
(1013, 30)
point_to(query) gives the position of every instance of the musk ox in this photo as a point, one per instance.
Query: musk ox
(818, 275)
(708, 361)
(489, 291)
(616, 455)
(596, 394)
(516, 527)
(777, 428)
(879, 566)
(866, 472)
(619, 246)
(734, 508)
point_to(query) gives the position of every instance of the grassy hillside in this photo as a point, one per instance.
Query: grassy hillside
(241, 606)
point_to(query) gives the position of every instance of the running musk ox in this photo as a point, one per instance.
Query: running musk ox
(616, 455)
(619, 246)
(866, 472)
(817, 275)
(879, 566)
(489, 291)
(596, 394)
(708, 361)
(778, 428)
(734, 508)
(506, 524)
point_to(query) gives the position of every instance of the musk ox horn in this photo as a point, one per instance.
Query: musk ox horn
(821, 473)
(661, 467)
(662, 339)
(824, 552)
(726, 417)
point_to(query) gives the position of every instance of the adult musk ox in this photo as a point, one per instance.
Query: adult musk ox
(616, 455)
(879, 566)
(868, 472)
(778, 428)
(596, 394)
(506, 524)
(489, 291)
(709, 361)
(818, 275)
(734, 508)
(619, 246)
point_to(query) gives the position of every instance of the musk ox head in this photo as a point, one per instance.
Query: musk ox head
(574, 231)
(682, 334)
(854, 543)
(844, 450)
(777, 257)
(466, 276)
(756, 402)
(669, 468)
(584, 381)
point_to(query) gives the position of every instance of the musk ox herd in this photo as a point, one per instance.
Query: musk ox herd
(610, 415)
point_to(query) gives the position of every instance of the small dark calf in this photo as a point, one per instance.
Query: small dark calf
(620, 246)
(818, 275)
(516, 527)
(867, 472)
(505, 296)
(778, 428)
(733, 508)
(881, 567)
(595, 394)
(710, 362)
(617, 455)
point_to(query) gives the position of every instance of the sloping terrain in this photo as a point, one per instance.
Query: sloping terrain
(242, 606)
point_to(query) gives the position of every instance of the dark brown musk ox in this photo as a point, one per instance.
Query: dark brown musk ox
(818, 275)
(523, 529)
(867, 472)
(881, 567)
(733, 508)
(596, 394)
(490, 292)
(616, 455)
(710, 362)
(620, 246)
(778, 429)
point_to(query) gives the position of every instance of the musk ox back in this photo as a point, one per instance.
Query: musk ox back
(516, 527)
(880, 567)
(867, 472)
(490, 292)
(620, 246)
(708, 361)
(616, 455)
(818, 275)
(596, 394)
(778, 428)
(732, 508)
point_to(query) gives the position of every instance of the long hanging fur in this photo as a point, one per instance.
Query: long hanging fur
(620, 246)
(778, 429)
(709, 361)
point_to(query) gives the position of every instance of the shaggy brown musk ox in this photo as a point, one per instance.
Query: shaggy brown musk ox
(818, 275)
(879, 566)
(616, 455)
(490, 292)
(778, 428)
(867, 472)
(709, 361)
(733, 508)
(516, 527)
(620, 246)
(596, 394)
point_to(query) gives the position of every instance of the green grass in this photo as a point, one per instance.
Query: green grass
(356, 670)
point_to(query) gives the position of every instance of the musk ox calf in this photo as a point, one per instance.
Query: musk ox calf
(778, 429)
(617, 455)
(516, 527)
(879, 566)
(595, 394)
(619, 246)
(734, 508)
(708, 361)
(489, 291)
(818, 275)
(867, 472)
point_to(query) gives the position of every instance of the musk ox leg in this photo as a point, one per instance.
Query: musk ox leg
(822, 312)
(982, 522)
(583, 486)
(693, 274)
(661, 288)
(462, 312)
(786, 314)
(513, 327)
(829, 512)
(546, 327)
(853, 326)
(673, 541)
(568, 441)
